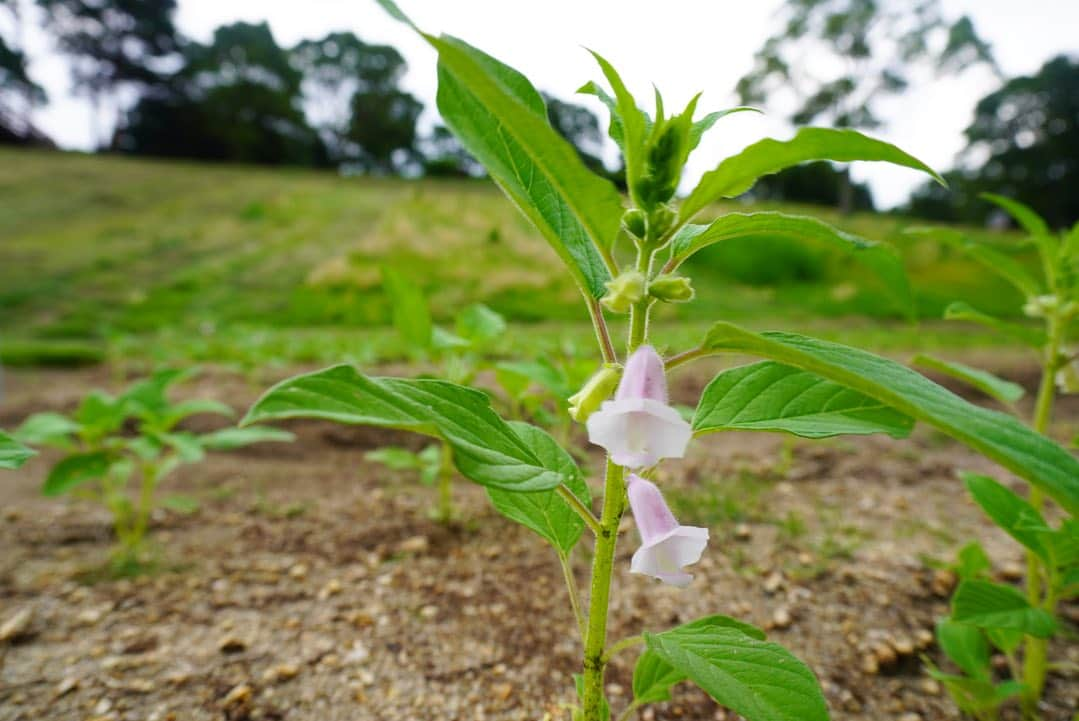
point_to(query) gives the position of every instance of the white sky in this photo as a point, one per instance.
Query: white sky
(683, 46)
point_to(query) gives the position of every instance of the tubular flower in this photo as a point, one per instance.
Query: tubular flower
(666, 547)
(638, 427)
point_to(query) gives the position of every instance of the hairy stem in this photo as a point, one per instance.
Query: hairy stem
(598, 602)
(603, 336)
(628, 642)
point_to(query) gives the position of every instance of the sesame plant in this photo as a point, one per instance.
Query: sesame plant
(12, 453)
(118, 449)
(1018, 625)
(626, 261)
(456, 355)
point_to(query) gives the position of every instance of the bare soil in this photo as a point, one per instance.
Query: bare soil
(311, 585)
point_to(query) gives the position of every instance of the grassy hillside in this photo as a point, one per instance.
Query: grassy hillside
(95, 248)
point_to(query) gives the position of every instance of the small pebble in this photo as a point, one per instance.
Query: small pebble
(782, 618)
(231, 644)
(281, 672)
(742, 532)
(17, 626)
(239, 696)
(416, 544)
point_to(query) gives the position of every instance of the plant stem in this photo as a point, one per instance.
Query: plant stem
(638, 313)
(1035, 655)
(145, 506)
(628, 642)
(582, 510)
(603, 336)
(602, 566)
(445, 484)
(685, 357)
(628, 711)
(574, 594)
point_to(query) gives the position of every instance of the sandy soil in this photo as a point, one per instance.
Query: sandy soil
(313, 586)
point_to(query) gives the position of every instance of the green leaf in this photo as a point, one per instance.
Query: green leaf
(228, 439)
(1014, 515)
(540, 372)
(181, 504)
(47, 429)
(479, 324)
(1023, 214)
(485, 449)
(964, 311)
(75, 470)
(101, 413)
(13, 453)
(632, 124)
(1005, 639)
(999, 436)
(993, 605)
(976, 697)
(545, 512)
(738, 173)
(411, 317)
(972, 562)
(187, 445)
(769, 396)
(702, 126)
(881, 259)
(442, 339)
(501, 119)
(653, 677)
(184, 409)
(148, 397)
(966, 646)
(1004, 391)
(991, 259)
(762, 681)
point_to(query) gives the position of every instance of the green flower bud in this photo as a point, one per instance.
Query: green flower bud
(671, 289)
(661, 218)
(1040, 306)
(635, 222)
(624, 291)
(599, 387)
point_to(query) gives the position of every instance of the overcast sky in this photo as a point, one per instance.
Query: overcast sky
(682, 46)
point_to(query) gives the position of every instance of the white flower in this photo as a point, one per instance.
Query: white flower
(666, 547)
(638, 427)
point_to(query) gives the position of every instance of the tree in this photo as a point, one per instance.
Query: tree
(445, 157)
(1023, 143)
(837, 59)
(114, 43)
(351, 91)
(236, 99)
(18, 92)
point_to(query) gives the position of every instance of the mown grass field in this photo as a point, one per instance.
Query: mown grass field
(176, 261)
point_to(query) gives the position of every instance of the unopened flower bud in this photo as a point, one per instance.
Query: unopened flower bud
(635, 222)
(661, 219)
(624, 291)
(598, 389)
(1040, 306)
(671, 289)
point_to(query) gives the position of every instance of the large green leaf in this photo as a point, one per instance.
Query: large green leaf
(997, 435)
(883, 260)
(411, 317)
(12, 453)
(1014, 515)
(738, 173)
(544, 511)
(485, 448)
(74, 470)
(762, 681)
(47, 429)
(993, 605)
(629, 124)
(653, 677)
(1004, 391)
(501, 119)
(769, 396)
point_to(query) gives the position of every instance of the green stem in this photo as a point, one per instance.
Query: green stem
(145, 506)
(628, 712)
(1036, 650)
(574, 594)
(445, 484)
(598, 602)
(638, 313)
(582, 510)
(599, 324)
(628, 642)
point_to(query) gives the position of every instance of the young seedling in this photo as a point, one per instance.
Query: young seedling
(625, 262)
(108, 462)
(1052, 298)
(457, 356)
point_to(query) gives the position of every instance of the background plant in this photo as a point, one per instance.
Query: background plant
(991, 612)
(118, 449)
(805, 386)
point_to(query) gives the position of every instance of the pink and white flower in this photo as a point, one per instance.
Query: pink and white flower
(638, 427)
(666, 547)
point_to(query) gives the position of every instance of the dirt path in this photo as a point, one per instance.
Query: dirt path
(312, 586)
